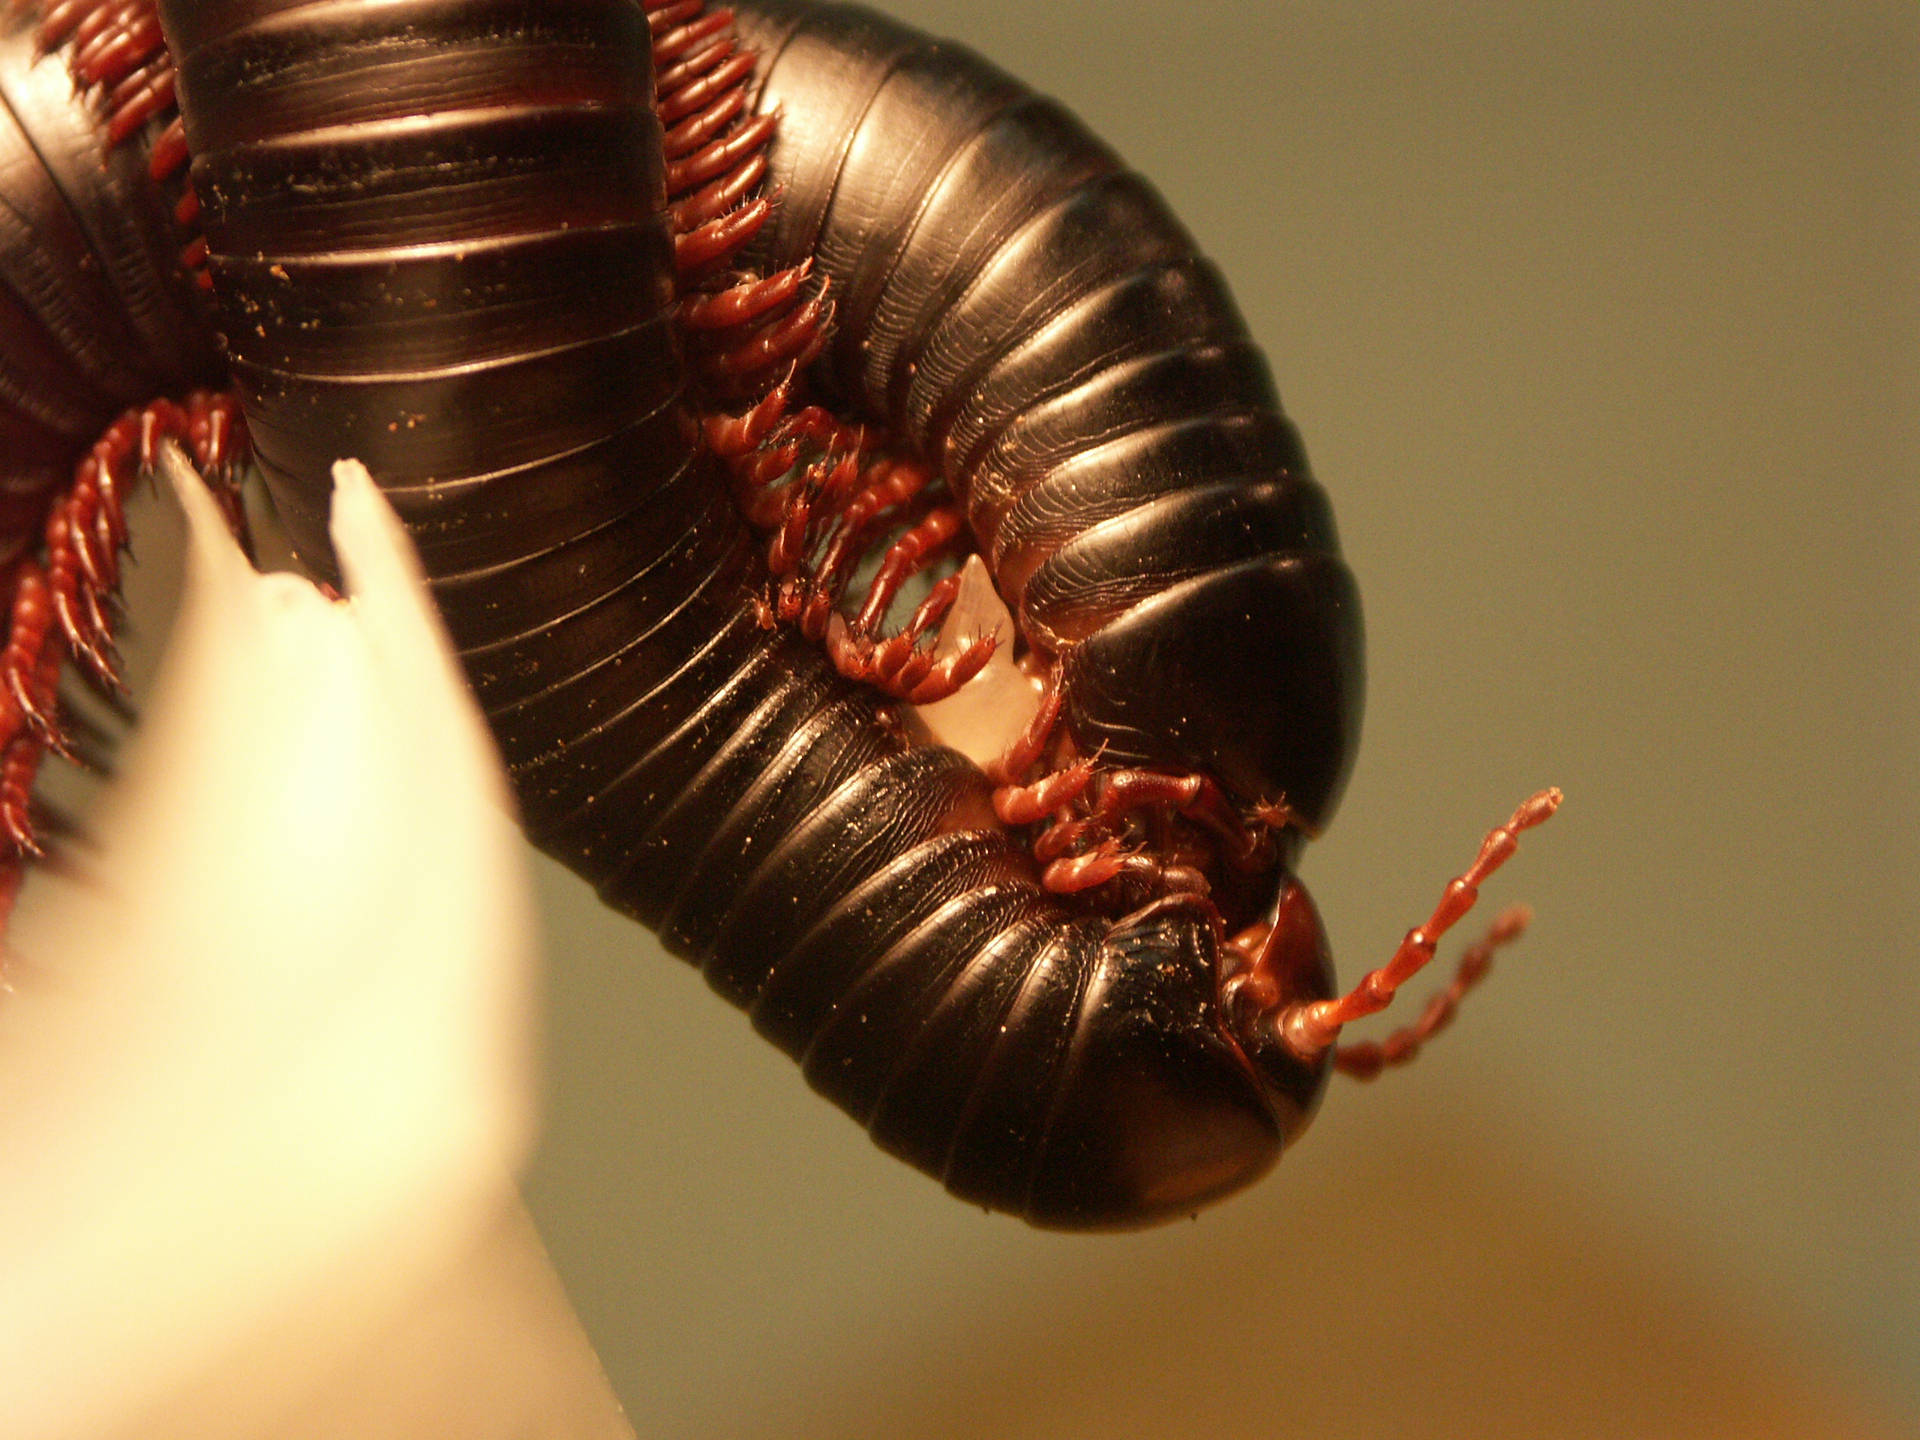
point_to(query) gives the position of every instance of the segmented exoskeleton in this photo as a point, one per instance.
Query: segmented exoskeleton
(584, 347)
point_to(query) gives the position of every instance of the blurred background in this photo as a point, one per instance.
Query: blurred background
(1600, 323)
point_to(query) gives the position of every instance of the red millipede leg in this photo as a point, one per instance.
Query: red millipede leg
(1309, 1029)
(1089, 805)
(1196, 797)
(30, 665)
(663, 15)
(715, 152)
(65, 606)
(793, 338)
(1026, 804)
(896, 664)
(1025, 752)
(947, 677)
(718, 240)
(907, 557)
(902, 665)
(87, 526)
(1084, 872)
(25, 707)
(692, 50)
(747, 303)
(898, 668)
(737, 437)
(717, 197)
(1108, 862)
(878, 491)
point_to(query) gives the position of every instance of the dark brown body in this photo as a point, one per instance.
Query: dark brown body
(479, 305)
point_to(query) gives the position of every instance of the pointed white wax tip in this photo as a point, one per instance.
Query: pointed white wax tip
(992, 709)
(977, 610)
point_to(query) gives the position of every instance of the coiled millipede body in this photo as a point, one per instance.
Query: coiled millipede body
(698, 349)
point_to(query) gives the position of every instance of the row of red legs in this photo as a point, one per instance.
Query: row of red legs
(61, 607)
(819, 488)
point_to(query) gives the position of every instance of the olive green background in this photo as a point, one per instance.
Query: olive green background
(1599, 321)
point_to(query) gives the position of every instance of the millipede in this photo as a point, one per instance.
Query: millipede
(870, 531)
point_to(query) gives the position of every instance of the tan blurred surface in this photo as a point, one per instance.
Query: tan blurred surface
(490, 1349)
(1510, 1306)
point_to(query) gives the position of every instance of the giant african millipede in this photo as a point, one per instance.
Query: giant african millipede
(723, 364)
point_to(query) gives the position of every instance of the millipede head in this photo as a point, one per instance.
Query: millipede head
(1257, 682)
(1290, 964)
